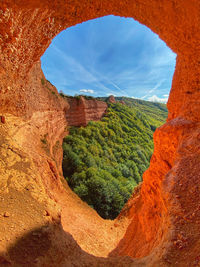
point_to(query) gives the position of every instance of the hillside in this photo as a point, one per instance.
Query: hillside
(104, 161)
(154, 110)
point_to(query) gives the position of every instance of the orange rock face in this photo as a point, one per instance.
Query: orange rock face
(81, 111)
(111, 99)
(46, 221)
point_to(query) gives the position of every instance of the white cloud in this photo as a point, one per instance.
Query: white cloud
(135, 97)
(108, 94)
(155, 98)
(166, 95)
(87, 91)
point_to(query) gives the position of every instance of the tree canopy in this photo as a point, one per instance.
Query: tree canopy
(105, 160)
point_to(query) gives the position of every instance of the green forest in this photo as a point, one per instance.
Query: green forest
(105, 160)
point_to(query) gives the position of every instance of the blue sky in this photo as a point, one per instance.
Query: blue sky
(110, 55)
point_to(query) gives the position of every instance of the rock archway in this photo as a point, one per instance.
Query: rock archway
(164, 217)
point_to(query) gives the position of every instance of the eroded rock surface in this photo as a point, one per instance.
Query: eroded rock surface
(111, 99)
(163, 218)
(82, 110)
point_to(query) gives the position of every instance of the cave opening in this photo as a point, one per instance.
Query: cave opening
(163, 220)
(98, 58)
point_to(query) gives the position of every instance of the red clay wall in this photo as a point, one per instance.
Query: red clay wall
(81, 111)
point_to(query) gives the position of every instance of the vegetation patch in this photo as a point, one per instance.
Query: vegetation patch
(78, 97)
(45, 83)
(45, 144)
(104, 161)
(42, 81)
(56, 147)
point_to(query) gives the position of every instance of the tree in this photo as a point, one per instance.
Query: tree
(104, 161)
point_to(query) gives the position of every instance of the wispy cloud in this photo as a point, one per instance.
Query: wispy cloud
(143, 97)
(87, 91)
(80, 73)
(86, 57)
(116, 87)
(157, 86)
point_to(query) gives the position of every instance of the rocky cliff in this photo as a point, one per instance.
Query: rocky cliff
(111, 99)
(42, 223)
(81, 111)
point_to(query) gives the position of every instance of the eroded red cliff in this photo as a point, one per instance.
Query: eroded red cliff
(111, 99)
(36, 204)
(82, 110)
